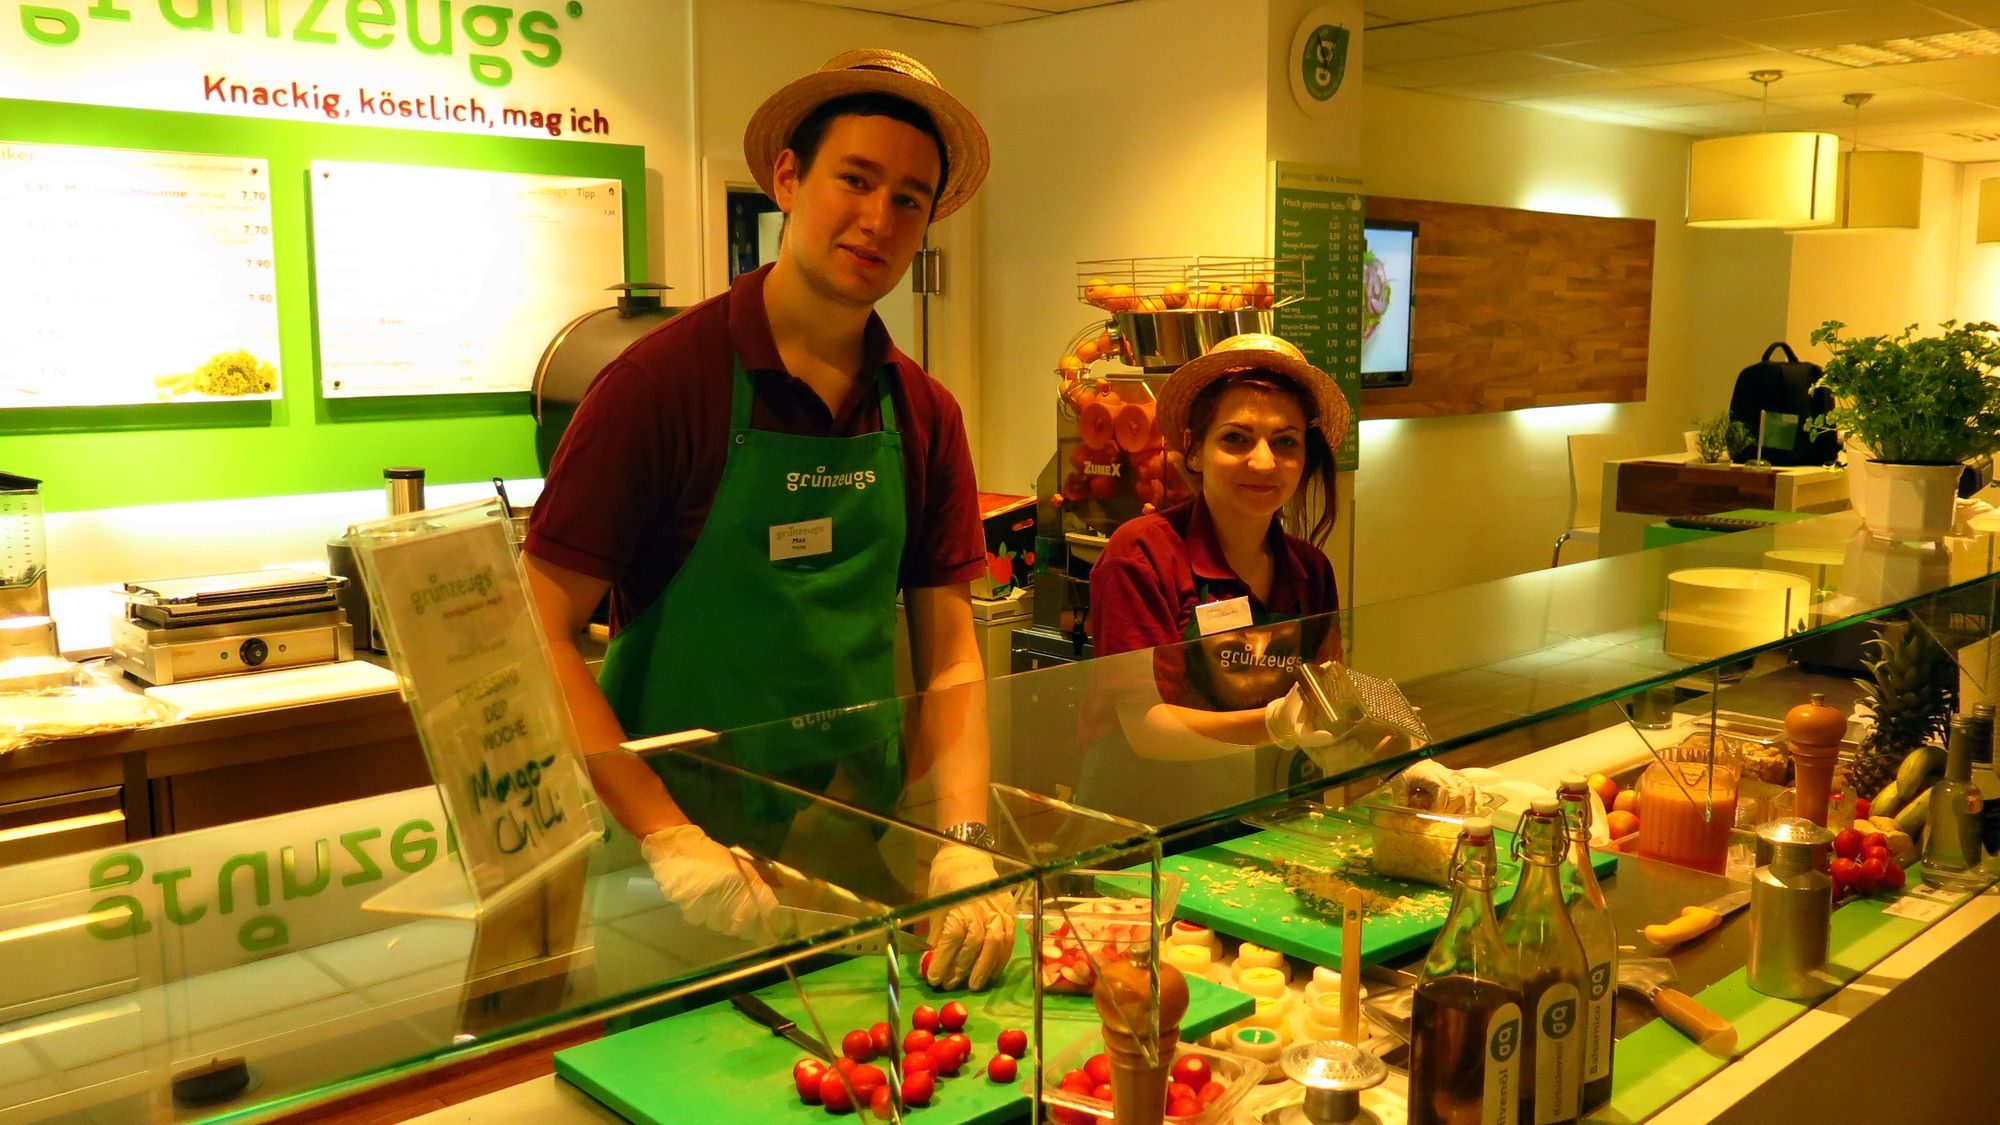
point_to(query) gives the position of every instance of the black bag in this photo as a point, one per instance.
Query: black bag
(1784, 387)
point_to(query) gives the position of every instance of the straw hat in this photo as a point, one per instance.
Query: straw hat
(1248, 352)
(872, 72)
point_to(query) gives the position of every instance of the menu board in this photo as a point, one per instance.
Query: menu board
(1317, 218)
(134, 277)
(450, 281)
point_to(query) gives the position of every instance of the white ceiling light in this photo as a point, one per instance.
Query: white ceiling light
(1989, 210)
(1764, 180)
(1878, 190)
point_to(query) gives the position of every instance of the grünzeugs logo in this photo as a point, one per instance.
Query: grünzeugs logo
(820, 478)
(493, 37)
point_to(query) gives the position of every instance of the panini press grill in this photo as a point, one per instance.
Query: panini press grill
(184, 629)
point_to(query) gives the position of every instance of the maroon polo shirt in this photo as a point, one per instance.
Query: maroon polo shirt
(630, 487)
(1158, 567)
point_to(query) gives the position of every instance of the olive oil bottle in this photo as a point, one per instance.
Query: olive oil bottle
(1592, 919)
(1466, 1026)
(1554, 974)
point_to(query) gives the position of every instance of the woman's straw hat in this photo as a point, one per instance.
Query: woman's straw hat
(877, 72)
(1242, 354)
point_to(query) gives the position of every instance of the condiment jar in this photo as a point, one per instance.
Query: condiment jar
(1791, 911)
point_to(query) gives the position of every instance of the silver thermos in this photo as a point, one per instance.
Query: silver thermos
(1791, 911)
(405, 488)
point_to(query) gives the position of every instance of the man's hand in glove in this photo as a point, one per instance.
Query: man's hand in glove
(707, 883)
(973, 939)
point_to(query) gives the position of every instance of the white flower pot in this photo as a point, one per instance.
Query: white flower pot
(1902, 502)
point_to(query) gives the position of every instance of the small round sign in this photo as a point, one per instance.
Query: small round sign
(1320, 52)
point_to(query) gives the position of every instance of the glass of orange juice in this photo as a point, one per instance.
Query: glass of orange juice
(1687, 805)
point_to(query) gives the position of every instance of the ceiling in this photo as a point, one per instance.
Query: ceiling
(1678, 65)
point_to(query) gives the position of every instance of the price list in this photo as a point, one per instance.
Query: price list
(451, 281)
(134, 277)
(1317, 218)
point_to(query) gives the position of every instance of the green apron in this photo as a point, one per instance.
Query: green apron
(751, 631)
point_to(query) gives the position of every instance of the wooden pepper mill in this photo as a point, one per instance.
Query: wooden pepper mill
(1125, 1004)
(1814, 730)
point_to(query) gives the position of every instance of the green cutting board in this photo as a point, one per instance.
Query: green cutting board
(713, 1064)
(1234, 888)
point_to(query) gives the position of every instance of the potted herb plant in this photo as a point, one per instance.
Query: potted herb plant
(1719, 438)
(1921, 407)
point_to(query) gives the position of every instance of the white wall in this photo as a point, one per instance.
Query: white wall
(1878, 281)
(1131, 130)
(1445, 502)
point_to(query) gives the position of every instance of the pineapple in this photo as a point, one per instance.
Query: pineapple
(1913, 692)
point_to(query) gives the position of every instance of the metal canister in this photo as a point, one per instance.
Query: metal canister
(1791, 911)
(1982, 734)
(404, 485)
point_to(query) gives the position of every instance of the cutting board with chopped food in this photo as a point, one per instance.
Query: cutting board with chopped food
(1241, 888)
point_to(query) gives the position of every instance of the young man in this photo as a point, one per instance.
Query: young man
(753, 482)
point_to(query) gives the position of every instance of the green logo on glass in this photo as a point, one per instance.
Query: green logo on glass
(1506, 1038)
(1323, 62)
(1559, 1020)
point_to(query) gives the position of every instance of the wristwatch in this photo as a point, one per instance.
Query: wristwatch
(975, 833)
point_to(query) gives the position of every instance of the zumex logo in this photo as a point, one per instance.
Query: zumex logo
(820, 478)
(492, 37)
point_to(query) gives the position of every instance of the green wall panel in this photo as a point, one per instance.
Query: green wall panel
(102, 457)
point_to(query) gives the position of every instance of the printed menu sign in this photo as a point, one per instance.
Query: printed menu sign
(454, 612)
(451, 281)
(134, 277)
(1316, 217)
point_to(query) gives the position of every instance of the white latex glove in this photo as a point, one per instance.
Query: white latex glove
(1430, 786)
(1291, 724)
(700, 877)
(972, 940)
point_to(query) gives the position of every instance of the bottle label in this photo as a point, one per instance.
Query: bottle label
(1501, 1103)
(1558, 1061)
(1597, 1042)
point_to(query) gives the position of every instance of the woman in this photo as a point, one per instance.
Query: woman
(1256, 426)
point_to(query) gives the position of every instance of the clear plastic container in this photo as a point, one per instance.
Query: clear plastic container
(1408, 843)
(1237, 1074)
(1106, 919)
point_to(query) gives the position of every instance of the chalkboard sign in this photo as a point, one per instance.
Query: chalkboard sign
(453, 609)
(1316, 217)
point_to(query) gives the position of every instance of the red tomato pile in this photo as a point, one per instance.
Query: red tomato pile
(935, 1047)
(1191, 1088)
(1862, 864)
(1107, 930)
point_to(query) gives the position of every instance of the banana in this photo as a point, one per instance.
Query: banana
(1913, 816)
(1887, 801)
(1918, 765)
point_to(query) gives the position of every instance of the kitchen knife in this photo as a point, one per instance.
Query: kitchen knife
(1653, 978)
(764, 1014)
(1695, 921)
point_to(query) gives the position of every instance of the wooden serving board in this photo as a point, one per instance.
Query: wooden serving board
(713, 1064)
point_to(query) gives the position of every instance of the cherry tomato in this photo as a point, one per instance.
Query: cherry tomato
(1001, 1069)
(806, 1075)
(1845, 872)
(1894, 877)
(1874, 840)
(878, 1103)
(1874, 872)
(1869, 851)
(1079, 1082)
(924, 965)
(918, 1061)
(1847, 843)
(1014, 1041)
(880, 1037)
(833, 1093)
(1211, 1092)
(1193, 1071)
(858, 1046)
(917, 1039)
(1103, 1092)
(961, 1043)
(918, 1086)
(1183, 1107)
(953, 1017)
(1099, 1068)
(1176, 1091)
(948, 1057)
(1862, 808)
(866, 1077)
(925, 1017)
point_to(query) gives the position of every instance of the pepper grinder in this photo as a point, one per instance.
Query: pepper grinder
(1125, 1002)
(1814, 731)
(1791, 911)
(1334, 1074)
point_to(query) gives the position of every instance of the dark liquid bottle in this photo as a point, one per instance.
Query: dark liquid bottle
(1554, 974)
(1466, 1025)
(1592, 919)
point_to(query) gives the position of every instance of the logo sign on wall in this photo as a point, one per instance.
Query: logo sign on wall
(1322, 49)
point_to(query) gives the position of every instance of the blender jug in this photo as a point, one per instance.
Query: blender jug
(24, 582)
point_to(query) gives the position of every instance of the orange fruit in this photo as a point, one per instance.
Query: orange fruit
(1621, 823)
(1121, 298)
(1175, 295)
(1097, 291)
(1605, 788)
(1260, 294)
(1086, 352)
(1107, 348)
(1069, 366)
(1626, 801)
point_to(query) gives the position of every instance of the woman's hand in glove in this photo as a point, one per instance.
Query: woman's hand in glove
(973, 939)
(707, 883)
(1293, 724)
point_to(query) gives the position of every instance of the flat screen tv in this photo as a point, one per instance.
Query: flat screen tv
(1388, 274)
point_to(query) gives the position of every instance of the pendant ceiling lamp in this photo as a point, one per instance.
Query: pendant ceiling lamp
(1764, 180)
(1989, 210)
(1878, 190)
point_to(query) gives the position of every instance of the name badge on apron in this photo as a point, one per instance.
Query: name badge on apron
(801, 540)
(1222, 616)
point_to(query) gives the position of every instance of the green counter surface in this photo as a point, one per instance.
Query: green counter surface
(714, 1064)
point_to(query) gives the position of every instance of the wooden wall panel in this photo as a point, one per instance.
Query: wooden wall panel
(1520, 308)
